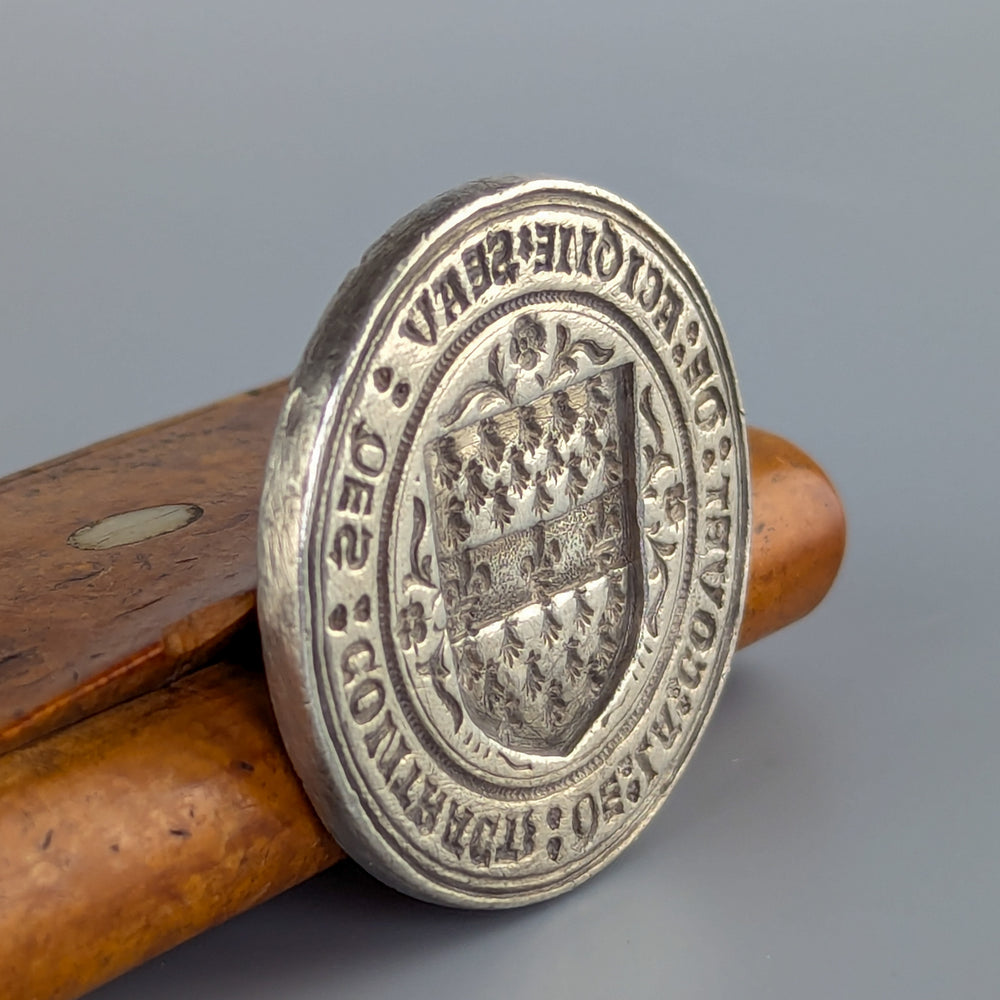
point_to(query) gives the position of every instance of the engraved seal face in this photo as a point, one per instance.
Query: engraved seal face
(504, 541)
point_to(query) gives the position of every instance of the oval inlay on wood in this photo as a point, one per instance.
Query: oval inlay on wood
(135, 526)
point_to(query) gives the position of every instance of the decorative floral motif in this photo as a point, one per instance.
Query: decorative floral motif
(551, 626)
(584, 610)
(592, 446)
(501, 511)
(533, 678)
(564, 361)
(613, 469)
(520, 477)
(512, 644)
(527, 342)
(529, 429)
(448, 467)
(420, 566)
(492, 389)
(412, 625)
(471, 667)
(491, 444)
(554, 460)
(437, 670)
(555, 704)
(600, 401)
(577, 481)
(456, 529)
(616, 596)
(574, 661)
(476, 489)
(564, 417)
(674, 503)
(543, 500)
(657, 459)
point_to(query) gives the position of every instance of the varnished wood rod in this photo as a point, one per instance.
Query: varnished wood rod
(134, 830)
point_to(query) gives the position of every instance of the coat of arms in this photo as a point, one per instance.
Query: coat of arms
(534, 512)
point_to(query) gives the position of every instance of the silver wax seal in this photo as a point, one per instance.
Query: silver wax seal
(504, 541)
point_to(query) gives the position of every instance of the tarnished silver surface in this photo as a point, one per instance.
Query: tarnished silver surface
(504, 541)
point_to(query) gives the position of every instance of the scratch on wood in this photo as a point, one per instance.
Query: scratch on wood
(80, 579)
(139, 607)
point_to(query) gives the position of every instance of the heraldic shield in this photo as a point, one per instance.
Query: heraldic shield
(535, 519)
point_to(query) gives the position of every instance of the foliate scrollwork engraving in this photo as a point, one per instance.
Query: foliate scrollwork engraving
(420, 565)
(439, 673)
(493, 388)
(656, 458)
(566, 348)
(665, 511)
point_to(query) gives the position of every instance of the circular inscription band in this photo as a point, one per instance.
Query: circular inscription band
(504, 541)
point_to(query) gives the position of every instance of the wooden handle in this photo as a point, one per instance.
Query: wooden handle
(83, 629)
(125, 834)
(131, 830)
(797, 538)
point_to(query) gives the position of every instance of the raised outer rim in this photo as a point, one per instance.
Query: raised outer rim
(315, 392)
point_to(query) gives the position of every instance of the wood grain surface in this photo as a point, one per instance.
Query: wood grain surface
(125, 834)
(81, 630)
(797, 539)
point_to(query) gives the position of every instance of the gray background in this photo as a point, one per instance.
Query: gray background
(182, 187)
